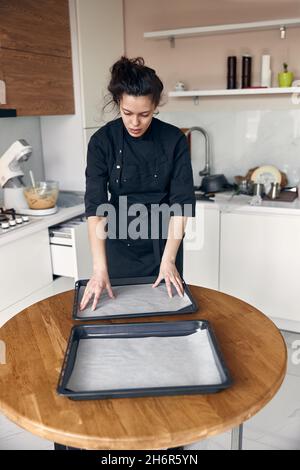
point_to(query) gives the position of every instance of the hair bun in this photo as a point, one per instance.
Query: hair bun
(132, 77)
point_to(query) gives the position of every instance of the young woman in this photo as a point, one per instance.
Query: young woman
(148, 161)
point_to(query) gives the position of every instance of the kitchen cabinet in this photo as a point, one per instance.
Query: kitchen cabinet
(38, 27)
(201, 248)
(25, 267)
(37, 84)
(35, 57)
(260, 261)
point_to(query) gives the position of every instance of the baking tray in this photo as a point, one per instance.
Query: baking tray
(134, 298)
(142, 359)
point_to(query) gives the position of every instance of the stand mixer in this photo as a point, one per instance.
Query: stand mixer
(11, 174)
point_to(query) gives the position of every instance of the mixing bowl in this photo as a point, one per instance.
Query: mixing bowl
(43, 195)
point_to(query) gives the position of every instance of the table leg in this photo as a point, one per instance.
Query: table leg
(62, 447)
(237, 438)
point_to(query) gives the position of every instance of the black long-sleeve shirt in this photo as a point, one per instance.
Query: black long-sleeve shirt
(156, 166)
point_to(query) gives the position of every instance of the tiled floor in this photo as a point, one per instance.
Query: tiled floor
(276, 426)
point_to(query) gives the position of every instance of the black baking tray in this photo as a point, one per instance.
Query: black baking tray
(141, 330)
(193, 307)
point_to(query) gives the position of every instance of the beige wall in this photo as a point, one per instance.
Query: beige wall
(201, 61)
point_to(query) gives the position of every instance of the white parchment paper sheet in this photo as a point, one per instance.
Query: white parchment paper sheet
(126, 363)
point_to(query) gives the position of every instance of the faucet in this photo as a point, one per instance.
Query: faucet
(206, 169)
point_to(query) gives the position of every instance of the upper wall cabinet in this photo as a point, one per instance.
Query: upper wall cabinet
(36, 26)
(35, 56)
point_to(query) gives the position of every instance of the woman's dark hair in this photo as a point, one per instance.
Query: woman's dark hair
(131, 76)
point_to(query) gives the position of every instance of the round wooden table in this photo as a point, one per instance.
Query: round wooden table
(36, 340)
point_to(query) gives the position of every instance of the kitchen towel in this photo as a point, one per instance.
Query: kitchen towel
(128, 363)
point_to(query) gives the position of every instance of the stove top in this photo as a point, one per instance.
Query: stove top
(10, 220)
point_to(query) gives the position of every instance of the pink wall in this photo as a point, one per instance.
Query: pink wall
(201, 61)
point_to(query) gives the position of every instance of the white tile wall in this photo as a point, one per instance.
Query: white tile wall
(241, 140)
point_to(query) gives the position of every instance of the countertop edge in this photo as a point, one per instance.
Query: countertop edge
(63, 214)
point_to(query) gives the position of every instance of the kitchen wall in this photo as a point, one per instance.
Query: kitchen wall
(245, 131)
(28, 128)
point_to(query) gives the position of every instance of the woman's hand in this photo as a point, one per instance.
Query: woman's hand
(98, 282)
(169, 273)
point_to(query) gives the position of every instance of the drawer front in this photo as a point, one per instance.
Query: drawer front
(63, 260)
(70, 249)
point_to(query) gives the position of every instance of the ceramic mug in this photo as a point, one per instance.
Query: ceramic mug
(180, 86)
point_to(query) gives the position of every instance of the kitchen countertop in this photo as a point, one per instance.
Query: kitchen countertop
(224, 202)
(41, 222)
(227, 202)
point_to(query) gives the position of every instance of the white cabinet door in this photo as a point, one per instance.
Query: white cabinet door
(260, 262)
(101, 43)
(25, 267)
(201, 248)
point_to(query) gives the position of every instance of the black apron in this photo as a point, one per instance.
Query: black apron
(138, 257)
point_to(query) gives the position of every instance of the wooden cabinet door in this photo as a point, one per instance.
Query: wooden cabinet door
(36, 84)
(38, 26)
(35, 56)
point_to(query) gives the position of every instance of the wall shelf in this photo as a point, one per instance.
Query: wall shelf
(236, 92)
(171, 34)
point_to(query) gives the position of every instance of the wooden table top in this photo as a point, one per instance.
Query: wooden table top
(36, 340)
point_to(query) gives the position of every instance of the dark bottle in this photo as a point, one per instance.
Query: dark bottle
(231, 72)
(246, 71)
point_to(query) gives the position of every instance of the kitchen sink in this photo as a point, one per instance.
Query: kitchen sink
(70, 198)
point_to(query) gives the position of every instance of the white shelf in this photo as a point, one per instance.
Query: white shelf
(241, 92)
(222, 29)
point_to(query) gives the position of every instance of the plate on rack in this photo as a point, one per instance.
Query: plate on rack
(266, 175)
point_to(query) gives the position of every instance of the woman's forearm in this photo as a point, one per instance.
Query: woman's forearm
(97, 237)
(175, 234)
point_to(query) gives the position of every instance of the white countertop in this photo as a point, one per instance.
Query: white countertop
(226, 202)
(38, 223)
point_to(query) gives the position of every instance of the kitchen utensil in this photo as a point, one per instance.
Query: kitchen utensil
(214, 183)
(32, 178)
(283, 183)
(258, 189)
(14, 197)
(10, 171)
(179, 86)
(245, 186)
(274, 191)
(134, 298)
(43, 195)
(142, 359)
(266, 174)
